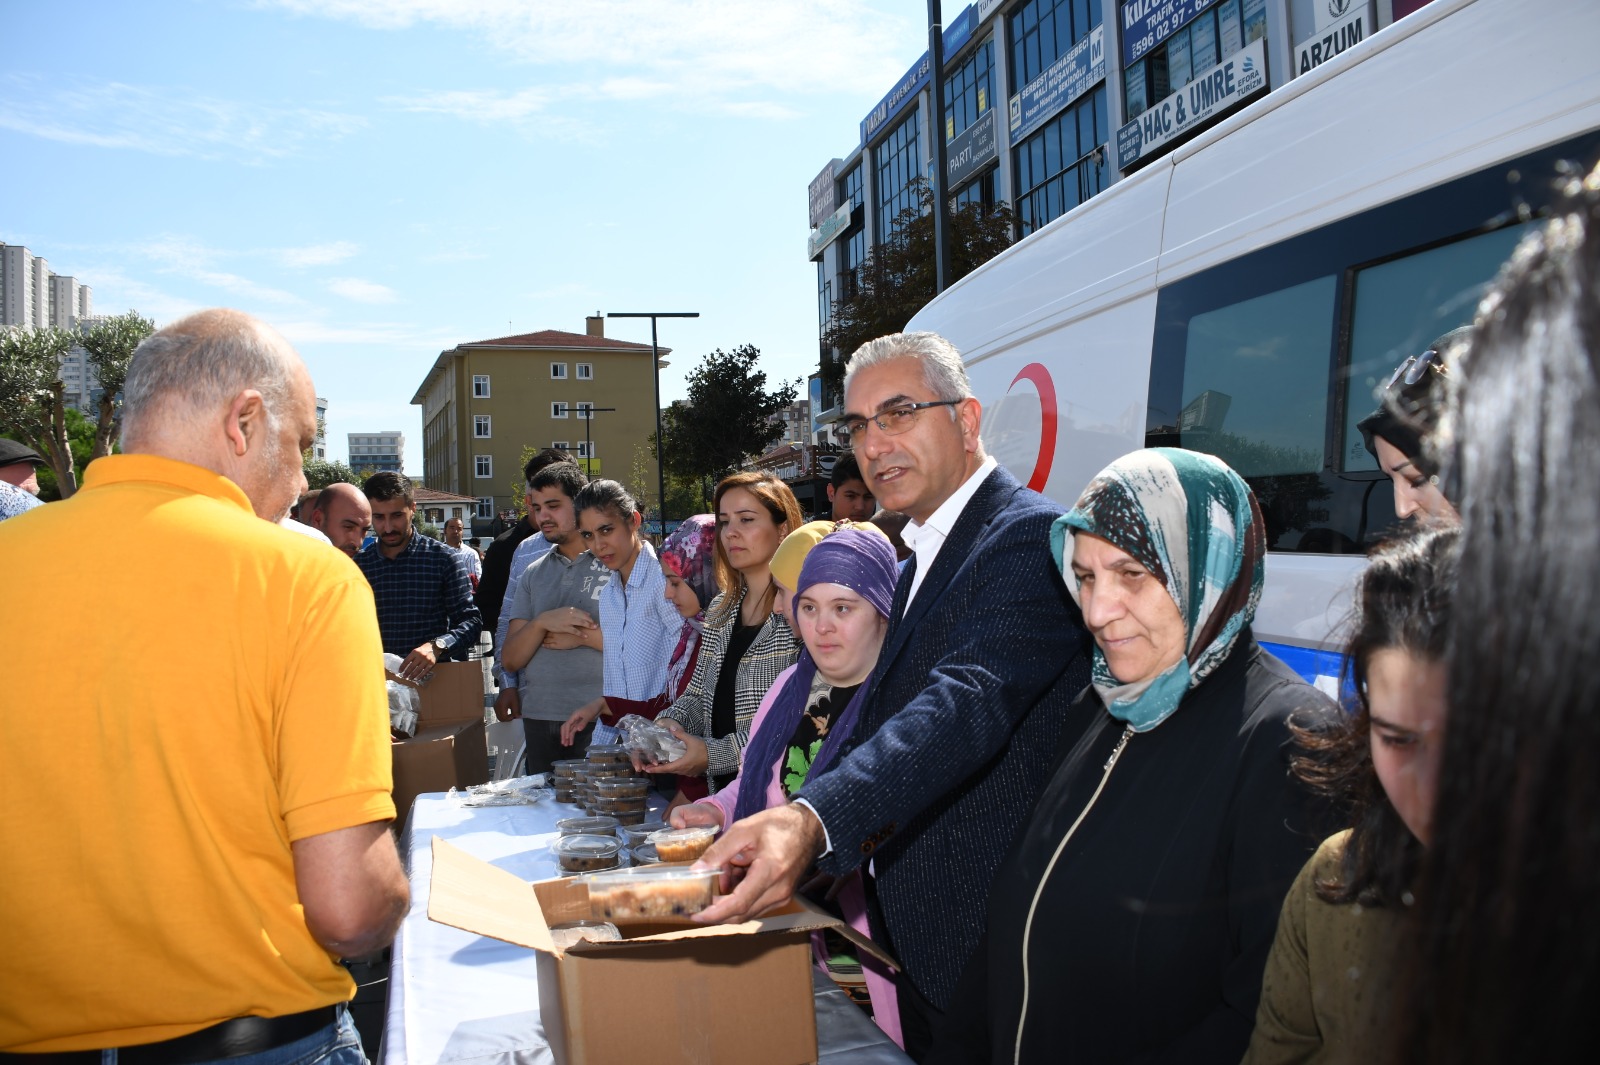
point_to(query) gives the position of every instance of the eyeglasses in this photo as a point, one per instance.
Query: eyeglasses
(891, 421)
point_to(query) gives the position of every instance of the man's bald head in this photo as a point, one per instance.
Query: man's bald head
(343, 514)
(221, 390)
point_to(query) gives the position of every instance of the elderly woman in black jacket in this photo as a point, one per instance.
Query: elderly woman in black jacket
(1132, 919)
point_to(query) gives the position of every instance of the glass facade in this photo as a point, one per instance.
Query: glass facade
(1210, 37)
(969, 91)
(979, 191)
(1062, 164)
(1042, 31)
(898, 161)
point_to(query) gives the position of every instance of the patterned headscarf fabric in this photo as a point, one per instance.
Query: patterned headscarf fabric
(689, 554)
(1194, 524)
(858, 557)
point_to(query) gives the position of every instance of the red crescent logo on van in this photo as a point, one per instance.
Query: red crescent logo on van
(1040, 377)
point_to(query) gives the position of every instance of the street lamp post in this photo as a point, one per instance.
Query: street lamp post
(655, 366)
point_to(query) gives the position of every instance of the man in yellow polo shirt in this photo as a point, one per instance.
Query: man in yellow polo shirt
(195, 782)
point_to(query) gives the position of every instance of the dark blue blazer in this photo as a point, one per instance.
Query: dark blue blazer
(959, 729)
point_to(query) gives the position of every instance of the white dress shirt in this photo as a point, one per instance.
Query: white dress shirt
(925, 539)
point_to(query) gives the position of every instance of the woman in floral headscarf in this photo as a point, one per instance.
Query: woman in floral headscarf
(1133, 917)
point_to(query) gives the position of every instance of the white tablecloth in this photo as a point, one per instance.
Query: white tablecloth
(463, 998)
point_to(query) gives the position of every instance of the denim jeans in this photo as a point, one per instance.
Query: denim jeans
(337, 1044)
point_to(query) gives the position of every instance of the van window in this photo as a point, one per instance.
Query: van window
(1402, 306)
(1255, 379)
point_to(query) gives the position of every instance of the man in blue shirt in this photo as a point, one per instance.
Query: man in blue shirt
(425, 608)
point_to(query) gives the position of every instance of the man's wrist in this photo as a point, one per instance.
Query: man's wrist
(816, 831)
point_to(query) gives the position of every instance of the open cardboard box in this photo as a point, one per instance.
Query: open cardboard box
(449, 749)
(696, 994)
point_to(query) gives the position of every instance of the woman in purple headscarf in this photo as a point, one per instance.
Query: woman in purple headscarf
(841, 611)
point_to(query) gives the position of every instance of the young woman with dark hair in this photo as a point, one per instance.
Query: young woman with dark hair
(1507, 965)
(1329, 982)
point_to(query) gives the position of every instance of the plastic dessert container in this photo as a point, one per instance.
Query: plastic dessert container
(682, 844)
(610, 754)
(587, 826)
(634, 835)
(621, 788)
(644, 894)
(586, 854)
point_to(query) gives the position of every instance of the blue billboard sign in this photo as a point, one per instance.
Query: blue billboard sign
(1146, 23)
(1068, 78)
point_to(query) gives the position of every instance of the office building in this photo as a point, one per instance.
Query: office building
(483, 402)
(319, 446)
(1049, 102)
(380, 452)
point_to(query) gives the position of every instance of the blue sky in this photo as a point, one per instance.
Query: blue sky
(384, 179)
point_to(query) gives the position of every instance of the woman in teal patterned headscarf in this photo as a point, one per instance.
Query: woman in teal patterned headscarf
(1132, 919)
(1192, 524)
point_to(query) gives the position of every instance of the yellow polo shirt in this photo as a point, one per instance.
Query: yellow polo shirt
(187, 689)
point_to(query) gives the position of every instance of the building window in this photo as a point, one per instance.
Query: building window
(486, 508)
(586, 449)
(483, 465)
(561, 445)
(1063, 164)
(824, 297)
(1208, 39)
(558, 410)
(480, 386)
(586, 371)
(969, 92)
(558, 371)
(978, 191)
(480, 426)
(1043, 31)
(899, 161)
(582, 410)
(850, 187)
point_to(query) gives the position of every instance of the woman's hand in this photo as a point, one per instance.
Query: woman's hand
(562, 641)
(696, 814)
(581, 718)
(694, 760)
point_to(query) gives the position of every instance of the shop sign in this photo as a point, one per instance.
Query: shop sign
(823, 194)
(986, 8)
(1146, 23)
(972, 151)
(1220, 88)
(830, 228)
(958, 31)
(892, 104)
(1333, 37)
(1068, 78)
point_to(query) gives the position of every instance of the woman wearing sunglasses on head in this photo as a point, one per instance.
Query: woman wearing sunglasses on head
(1396, 433)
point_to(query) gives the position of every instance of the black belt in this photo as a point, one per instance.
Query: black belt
(230, 1039)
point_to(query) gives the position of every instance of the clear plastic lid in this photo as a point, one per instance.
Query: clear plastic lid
(644, 854)
(640, 833)
(649, 893)
(613, 752)
(622, 788)
(587, 846)
(587, 826)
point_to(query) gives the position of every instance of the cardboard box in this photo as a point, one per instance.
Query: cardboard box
(449, 749)
(696, 994)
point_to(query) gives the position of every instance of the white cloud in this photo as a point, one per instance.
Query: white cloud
(354, 288)
(478, 105)
(163, 121)
(318, 254)
(713, 53)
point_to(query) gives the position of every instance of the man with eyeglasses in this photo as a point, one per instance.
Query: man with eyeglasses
(984, 654)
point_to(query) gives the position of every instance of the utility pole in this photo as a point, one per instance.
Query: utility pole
(655, 366)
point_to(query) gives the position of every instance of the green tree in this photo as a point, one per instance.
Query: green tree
(898, 276)
(32, 404)
(109, 344)
(80, 439)
(727, 417)
(684, 496)
(320, 473)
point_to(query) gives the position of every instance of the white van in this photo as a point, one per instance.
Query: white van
(1246, 293)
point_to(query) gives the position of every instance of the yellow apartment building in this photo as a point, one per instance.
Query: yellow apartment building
(483, 402)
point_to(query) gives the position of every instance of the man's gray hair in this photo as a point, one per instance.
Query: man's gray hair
(942, 368)
(203, 361)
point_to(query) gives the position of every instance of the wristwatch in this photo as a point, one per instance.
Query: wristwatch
(442, 644)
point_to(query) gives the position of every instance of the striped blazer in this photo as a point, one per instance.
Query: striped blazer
(774, 650)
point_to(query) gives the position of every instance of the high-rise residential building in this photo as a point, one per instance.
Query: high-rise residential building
(794, 423)
(380, 452)
(33, 297)
(484, 401)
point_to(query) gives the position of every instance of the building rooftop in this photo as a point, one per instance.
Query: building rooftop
(556, 338)
(433, 495)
